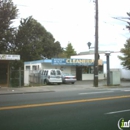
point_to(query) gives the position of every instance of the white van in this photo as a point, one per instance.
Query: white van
(51, 76)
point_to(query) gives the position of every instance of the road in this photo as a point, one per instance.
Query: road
(98, 109)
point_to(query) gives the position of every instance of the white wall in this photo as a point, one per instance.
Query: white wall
(26, 78)
(64, 69)
(115, 63)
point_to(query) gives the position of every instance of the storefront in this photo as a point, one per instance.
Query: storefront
(81, 68)
(4, 68)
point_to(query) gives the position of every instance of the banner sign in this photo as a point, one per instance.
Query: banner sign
(64, 61)
(9, 57)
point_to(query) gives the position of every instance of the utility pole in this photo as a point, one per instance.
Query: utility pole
(96, 46)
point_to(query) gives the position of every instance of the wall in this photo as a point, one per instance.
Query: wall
(91, 76)
(65, 69)
(26, 77)
(115, 63)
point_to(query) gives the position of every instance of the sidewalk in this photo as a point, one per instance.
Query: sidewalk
(79, 85)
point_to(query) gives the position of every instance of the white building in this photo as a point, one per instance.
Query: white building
(115, 62)
(80, 65)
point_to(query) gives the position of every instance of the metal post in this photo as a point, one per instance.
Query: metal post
(19, 76)
(96, 47)
(108, 71)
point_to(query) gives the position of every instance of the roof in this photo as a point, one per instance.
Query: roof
(38, 61)
(92, 52)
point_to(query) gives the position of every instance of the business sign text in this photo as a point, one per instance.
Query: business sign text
(64, 61)
(9, 57)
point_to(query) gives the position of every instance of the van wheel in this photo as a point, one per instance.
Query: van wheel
(58, 83)
(45, 82)
(72, 83)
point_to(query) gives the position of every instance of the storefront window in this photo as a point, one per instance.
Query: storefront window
(90, 69)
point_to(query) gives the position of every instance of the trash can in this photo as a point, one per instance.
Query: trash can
(115, 77)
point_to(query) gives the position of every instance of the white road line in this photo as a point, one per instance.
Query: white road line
(126, 90)
(115, 112)
(96, 92)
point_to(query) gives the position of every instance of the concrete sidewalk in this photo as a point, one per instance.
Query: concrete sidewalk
(79, 85)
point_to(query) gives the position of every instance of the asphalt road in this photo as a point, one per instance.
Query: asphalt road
(76, 110)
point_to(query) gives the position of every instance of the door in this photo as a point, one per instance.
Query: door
(3, 73)
(79, 72)
(55, 76)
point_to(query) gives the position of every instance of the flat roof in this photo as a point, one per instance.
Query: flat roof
(38, 61)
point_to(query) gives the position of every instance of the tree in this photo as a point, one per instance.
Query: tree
(33, 41)
(8, 12)
(29, 39)
(69, 50)
(126, 58)
(51, 48)
(128, 26)
(126, 50)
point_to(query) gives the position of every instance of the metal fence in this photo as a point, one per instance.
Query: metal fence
(34, 78)
(16, 78)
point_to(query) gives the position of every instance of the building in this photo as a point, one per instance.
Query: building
(80, 65)
(5, 69)
(115, 62)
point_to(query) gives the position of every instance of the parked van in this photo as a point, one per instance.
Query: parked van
(51, 76)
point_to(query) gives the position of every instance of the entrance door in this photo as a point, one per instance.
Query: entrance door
(3, 73)
(79, 72)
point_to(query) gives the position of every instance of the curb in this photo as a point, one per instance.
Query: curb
(9, 93)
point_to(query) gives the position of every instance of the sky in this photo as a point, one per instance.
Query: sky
(73, 21)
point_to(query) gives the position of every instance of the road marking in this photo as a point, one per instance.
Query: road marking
(63, 102)
(96, 92)
(126, 90)
(114, 112)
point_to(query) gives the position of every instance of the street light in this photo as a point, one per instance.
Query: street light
(108, 67)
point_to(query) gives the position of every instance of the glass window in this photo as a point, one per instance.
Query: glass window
(27, 67)
(34, 67)
(87, 70)
(90, 69)
(58, 72)
(53, 72)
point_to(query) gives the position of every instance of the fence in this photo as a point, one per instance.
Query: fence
(16, 78)
(34, 78)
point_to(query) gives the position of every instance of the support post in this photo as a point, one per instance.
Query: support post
(96, 47)
(108, 68)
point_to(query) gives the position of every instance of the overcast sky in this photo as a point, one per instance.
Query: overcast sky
(74, 21)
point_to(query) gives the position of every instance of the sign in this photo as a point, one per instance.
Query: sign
(123, 124)
(64, 61)
(9, 57)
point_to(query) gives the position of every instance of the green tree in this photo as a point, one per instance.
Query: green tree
(29, 39)
(69, 50)
(128, 26)
(62, 54)
(126, 58)
(8, 12)
(126, 50)
(51, 47)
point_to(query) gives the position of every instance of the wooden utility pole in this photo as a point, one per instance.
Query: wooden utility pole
(96, 46)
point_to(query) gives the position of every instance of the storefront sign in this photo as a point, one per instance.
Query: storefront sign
(64, 61)
(9, 57)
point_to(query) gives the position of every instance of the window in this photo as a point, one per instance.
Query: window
(53, 72)
(87, 70)
(27, 67)
(58, 72)
(90, 69)
(34, 67)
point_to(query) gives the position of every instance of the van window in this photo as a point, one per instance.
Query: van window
(53, 72)
(58, 72)
(45, 72)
